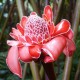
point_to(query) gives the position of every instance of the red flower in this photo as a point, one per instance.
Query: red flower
(35, 37)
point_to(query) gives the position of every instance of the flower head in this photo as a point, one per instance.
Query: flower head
(36, 37)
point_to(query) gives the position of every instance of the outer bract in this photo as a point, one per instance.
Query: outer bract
(36, 36)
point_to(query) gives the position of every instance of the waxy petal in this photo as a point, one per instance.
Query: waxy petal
(23, 21)
(35, 51)
(39, 38)
(48, 59)
(33, 13)
(48, 12)
(20, 28)
(14, 43)
(13, 36)
(69, 34)
(62, 27)
(28, 39)
(54, 47)
(23, 41)
(34, 39)
(22, 38)
(16, 32)
(24, 54)
(51, 28)
(70, 48)
(13, 62)
(44, 17)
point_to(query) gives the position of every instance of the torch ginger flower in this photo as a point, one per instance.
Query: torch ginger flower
(36, 37)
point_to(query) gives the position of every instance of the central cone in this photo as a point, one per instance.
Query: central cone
(36, 27)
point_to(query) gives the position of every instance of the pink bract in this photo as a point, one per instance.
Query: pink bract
(35, 37)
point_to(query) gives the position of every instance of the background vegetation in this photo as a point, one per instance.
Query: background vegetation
(11, 12)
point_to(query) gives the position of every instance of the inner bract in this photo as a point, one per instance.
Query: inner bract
(36, 29)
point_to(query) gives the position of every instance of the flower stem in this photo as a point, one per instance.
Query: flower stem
(35, 72)
(48, 67)
(24, 71)
(42, 72)
(20, 7)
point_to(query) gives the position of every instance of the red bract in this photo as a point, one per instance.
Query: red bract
(36, 37)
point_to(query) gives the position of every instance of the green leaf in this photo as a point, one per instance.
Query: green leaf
(3, 60)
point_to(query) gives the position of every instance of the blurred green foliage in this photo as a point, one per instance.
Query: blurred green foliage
(5, 73)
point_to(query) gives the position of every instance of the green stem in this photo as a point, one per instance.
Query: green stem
(42, 72)
(20, 7)
(75, 25)
(24, 71)
(35, 72)
(67, 68)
